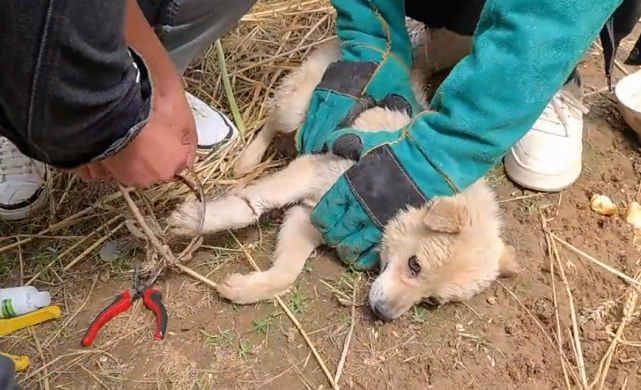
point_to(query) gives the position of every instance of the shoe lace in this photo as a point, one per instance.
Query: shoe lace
(563, 98)
(12, 161)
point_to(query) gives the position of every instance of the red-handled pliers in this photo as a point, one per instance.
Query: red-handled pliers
(151, 298)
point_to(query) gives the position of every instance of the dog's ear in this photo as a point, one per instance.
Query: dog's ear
(445, 215)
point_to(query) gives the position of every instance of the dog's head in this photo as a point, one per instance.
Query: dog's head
(447, 250)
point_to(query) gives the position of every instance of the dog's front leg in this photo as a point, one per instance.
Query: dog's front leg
(298, 181)
(296, 241)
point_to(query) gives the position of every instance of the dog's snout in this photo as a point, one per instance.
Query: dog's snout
(377, 302)
(381, 312)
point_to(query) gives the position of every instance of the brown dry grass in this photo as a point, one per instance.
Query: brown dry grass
(57, 250)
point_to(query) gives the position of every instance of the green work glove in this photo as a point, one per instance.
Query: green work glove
(376, 61)
(523, 52)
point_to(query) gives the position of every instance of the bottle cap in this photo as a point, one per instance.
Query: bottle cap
(42, 299)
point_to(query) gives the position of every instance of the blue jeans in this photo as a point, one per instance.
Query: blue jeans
(188, 28)
(69, 94)
(8, 374)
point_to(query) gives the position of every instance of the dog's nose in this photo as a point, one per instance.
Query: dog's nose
(381, 312)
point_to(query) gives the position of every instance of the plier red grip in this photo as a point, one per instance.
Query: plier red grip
(152, 300)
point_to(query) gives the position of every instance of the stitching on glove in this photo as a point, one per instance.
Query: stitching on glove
(429, 160)
(362, 104)
(385, 25)
(348, 78)
(378, 69)
(297, 134)
(402, 170)
(382, 186)
(389, 54)
(388, 41)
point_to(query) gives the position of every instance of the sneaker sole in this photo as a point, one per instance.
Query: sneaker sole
(25, 212)
(205, 150)
(538, 182)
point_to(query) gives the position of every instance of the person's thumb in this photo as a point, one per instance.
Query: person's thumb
(353, 144)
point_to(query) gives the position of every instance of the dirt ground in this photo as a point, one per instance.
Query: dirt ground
(519, 334)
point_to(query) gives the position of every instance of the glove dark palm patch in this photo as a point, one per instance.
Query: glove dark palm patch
(383, 185)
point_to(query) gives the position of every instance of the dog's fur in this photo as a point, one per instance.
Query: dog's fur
(455, 241)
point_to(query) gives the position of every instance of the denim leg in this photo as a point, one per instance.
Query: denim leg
(8, 374)
(188, 28)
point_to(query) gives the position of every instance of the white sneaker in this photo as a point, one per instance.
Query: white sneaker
(213, 127)
(22, 183)
(548, 158)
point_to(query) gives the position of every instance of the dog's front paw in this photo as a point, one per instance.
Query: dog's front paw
(230, 212)
(241, 289)
(185, 220)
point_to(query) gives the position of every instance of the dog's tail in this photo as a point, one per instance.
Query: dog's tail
(254, 153)
(296, 242)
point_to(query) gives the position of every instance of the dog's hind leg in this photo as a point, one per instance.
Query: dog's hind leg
(254, 153)
(288, 108)
(291, 185)
(297, 240)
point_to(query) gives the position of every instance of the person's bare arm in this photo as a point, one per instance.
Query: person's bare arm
(142, 38)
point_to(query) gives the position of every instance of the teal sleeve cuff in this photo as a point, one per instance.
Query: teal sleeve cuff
(523, 52)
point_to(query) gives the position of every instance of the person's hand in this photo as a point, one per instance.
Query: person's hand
(167, 143)
(165, 146)
(375, 64)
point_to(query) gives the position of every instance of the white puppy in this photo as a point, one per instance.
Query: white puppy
(447, 250)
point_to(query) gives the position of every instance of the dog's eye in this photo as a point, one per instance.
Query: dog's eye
(431, 301)
(414, 265)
